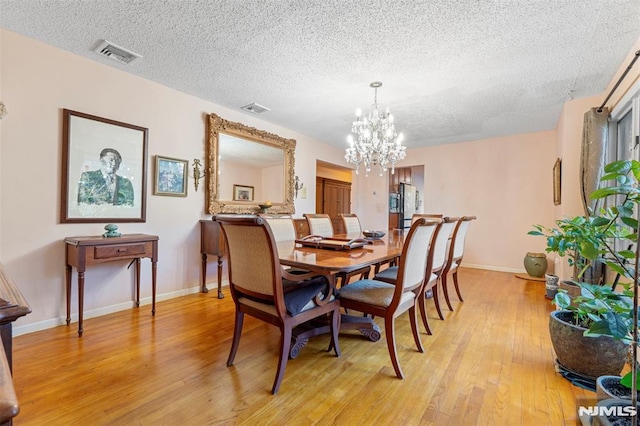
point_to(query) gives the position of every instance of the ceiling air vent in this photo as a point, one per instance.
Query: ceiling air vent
(115, 52)
(255, 108)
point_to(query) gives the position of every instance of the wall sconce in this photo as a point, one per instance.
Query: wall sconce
(298, 186)
(197, 173)
(3, 110)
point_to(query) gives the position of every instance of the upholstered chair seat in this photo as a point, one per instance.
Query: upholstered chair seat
(373, 292)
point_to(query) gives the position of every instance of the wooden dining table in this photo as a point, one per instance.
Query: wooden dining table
(331, 261)
(327, 260)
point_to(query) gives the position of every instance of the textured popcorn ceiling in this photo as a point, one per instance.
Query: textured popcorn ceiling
(453, 70)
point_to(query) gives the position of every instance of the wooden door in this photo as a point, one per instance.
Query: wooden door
(333, 197)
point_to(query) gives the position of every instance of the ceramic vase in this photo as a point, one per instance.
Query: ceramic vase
(535, 264)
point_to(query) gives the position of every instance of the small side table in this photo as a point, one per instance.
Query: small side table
(86, 251)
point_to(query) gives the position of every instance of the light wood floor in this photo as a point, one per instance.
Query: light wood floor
(489, 363)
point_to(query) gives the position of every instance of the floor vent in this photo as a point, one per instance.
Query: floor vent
(115, 52)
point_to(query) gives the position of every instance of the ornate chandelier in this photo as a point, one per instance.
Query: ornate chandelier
(376, 141)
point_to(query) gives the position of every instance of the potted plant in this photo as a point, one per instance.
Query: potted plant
(604, 235)
(590, 333)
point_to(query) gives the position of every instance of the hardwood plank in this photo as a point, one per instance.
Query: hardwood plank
(489, 362)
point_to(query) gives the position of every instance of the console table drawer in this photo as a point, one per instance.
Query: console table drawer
(122, 250)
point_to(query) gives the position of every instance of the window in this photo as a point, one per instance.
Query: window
(624, 125)
(624, 133)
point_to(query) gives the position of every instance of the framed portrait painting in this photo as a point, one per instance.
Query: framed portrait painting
(242, 193)
(170, 177)
(104, 170)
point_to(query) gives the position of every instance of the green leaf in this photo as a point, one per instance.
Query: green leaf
(613, 325)
(627, 378)
(627, 254)
(535, 233)
(610, 176)
(620, 166)
(629, 221)
(562, 300)
(600, 221)
(589, 251)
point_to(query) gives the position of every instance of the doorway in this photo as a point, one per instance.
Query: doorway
(333, 192)
(403, 178)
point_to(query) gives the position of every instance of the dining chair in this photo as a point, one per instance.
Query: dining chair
(388, 301)
(351, 224)
(261, 288)
(439, 253)
(455, 257)
(320, 224)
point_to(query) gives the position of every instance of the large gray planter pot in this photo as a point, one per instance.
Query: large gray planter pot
(609, 387)
(588, 356)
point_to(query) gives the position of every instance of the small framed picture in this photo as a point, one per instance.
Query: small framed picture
(557, 182)
(170, 176)
(242, 193)
(104, 170)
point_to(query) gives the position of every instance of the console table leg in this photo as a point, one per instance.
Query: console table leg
(204, 273)
(68, 294)
(137, 282)
(154, 270)
(220, 294)
(80, 301)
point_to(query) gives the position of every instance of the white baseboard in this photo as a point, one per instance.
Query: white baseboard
(494, 268)
(105, 310)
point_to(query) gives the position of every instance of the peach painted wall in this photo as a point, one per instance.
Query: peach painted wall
(38, 81)
(505, 182)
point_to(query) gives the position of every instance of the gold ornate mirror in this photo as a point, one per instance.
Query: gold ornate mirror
(246, 168)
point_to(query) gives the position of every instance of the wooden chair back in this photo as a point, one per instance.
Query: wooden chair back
(416, 259)
(459, 237)
(351, 224)
(319, 224)
(443, 243)
(254, 267)
(416, 216)
(282, 228)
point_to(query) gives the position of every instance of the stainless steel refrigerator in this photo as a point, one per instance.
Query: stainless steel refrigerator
(407, 205)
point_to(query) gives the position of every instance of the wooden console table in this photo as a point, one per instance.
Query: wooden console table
(86, 251)
(211, 242)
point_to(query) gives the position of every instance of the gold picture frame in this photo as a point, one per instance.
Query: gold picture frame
(170, 177)
(219, 128)
(557, 182)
